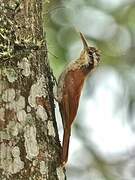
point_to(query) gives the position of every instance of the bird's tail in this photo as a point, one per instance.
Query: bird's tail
(65, 145)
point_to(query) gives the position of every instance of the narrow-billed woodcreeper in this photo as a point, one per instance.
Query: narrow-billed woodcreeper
(70, 85)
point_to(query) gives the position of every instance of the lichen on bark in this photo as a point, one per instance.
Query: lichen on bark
(29, 142)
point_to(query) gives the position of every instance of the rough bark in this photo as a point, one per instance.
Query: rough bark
(29, 142)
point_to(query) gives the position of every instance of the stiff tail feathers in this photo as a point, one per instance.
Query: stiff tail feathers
(65, 146)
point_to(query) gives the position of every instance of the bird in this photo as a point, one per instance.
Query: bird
(70, 84)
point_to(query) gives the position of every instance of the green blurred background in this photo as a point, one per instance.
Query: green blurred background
(103, 138)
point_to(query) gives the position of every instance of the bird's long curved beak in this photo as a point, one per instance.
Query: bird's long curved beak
(85, 43)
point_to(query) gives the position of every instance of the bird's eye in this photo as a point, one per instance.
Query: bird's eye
(93, 56)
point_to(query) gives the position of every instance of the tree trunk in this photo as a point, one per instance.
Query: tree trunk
(29, 142)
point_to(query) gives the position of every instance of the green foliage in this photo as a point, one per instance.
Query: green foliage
(110, 26)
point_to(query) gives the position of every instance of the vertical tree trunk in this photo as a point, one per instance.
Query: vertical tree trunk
(29, 142)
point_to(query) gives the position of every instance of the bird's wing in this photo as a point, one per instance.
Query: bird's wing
(71, 95)
(64, 109)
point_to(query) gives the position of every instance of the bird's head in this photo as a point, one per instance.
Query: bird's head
(92, 54)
